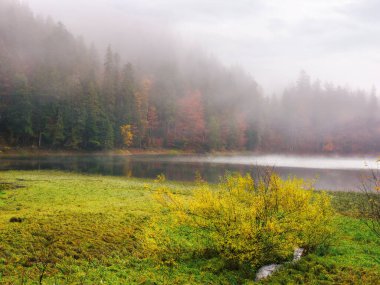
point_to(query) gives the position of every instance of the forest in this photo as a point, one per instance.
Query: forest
(57, 92)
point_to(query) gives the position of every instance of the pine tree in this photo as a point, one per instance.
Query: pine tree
(55, 129)
(76, 115)
(152, 118)
(140, 119)
(19, 115)
(126, 105)
(92, 138)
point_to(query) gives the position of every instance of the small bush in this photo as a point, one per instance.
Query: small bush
(371, 208)
(16, 220)
(241, 220)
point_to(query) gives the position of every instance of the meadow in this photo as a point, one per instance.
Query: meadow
(67, 228)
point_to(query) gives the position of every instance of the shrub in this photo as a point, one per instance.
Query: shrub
(371, 207)
(241, 220)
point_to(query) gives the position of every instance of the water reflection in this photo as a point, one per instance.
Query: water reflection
(184, 167)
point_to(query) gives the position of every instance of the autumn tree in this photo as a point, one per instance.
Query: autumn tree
(127, 135)
(153, 123)
(241, 131)
(190, 129)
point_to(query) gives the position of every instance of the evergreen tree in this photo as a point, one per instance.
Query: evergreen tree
(19, 115)
(54, 131)
(92, 134)
(140, 113)
(75, 120)
(125, 107)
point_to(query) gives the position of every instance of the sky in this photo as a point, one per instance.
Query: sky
(332, 40)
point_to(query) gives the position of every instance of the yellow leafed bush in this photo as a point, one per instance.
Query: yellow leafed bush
(241, 220)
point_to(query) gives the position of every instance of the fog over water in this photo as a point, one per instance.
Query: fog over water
(291, 161)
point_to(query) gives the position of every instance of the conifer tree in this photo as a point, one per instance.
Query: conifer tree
(19, 115)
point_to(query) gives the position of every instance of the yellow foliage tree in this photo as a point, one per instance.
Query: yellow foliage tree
(127, 134)
(241, 220)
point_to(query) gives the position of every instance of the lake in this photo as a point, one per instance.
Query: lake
(333, 173)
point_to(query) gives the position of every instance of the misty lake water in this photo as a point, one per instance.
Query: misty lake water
(333, 173)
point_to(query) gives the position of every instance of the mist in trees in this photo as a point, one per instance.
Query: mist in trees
(320, 117)
(58, 92)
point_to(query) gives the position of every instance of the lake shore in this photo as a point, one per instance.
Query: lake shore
(21, 152)
(36, 152)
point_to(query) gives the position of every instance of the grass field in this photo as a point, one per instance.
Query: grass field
(65, 228)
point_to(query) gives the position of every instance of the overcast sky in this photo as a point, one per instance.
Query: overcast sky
(333, 40)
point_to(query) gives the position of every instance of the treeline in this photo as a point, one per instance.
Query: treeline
(56, 92)
(315, 117)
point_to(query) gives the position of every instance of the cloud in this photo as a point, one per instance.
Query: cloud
(365, 11)
(191, 10)
(272, 39)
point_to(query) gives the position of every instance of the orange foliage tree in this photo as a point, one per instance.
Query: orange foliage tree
(153, 124)
(190, 126)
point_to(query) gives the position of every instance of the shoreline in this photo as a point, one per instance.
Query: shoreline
(117, 152)
(21, 152)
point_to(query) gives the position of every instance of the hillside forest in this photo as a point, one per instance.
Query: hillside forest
(57, 92)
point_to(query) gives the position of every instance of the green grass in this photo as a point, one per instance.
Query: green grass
(85, 229)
